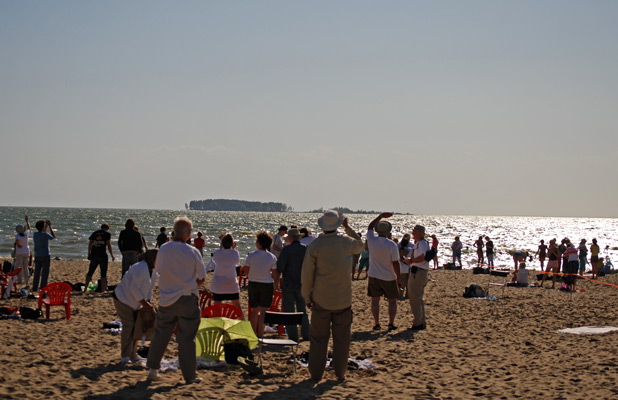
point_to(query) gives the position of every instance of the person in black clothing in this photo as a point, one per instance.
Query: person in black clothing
(290, 264)
(130, 243)
(162, 238)
(98, 245)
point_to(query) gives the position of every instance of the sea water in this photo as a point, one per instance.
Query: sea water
(73, 227)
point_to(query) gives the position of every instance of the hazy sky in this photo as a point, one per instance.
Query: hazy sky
(428, 107)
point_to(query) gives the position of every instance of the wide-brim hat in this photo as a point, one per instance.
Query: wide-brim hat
(331, 220)
(20, 229)
(293, 232)
(384, 228)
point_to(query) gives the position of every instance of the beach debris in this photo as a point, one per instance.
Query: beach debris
(589, 330)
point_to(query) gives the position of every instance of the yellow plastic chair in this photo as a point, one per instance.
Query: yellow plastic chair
(209, 343)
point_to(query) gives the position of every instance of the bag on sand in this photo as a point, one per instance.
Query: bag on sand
(431, 254)
(236, 348)
(144, 324)
(474, 291)
(30, 313)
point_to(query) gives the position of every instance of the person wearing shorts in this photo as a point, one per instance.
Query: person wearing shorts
(224, 285)
(553, 265)
(384, 270)
(262, 266)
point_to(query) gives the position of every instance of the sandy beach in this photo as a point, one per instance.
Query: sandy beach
(507, 348)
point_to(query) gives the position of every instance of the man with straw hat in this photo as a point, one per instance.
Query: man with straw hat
(326, 285)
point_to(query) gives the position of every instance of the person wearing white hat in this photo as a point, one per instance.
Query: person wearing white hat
(384, 270)
(326, 286)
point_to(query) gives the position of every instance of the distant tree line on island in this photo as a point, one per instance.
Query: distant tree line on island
(238, 205)
(345, 210)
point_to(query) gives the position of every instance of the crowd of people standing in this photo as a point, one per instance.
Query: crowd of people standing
(313, 273)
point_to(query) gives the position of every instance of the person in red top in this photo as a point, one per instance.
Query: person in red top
(199, 243)
(434, 245)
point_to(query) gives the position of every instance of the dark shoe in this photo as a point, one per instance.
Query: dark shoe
(251, 367)
(418, 327)
(391, 327)
(377, 327)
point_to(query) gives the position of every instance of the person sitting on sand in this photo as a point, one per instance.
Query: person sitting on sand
(224, 285)
(520, 276)
(456, 247)
(133, 293)
(262, 275)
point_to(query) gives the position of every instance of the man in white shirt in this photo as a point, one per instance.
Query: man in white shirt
(278, 240)
(384, 270)
(417, 281)
(181, 272)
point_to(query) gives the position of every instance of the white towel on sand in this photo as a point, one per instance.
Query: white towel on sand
(589, 330)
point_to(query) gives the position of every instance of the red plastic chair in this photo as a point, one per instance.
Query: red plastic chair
(222, 310)
(59, 294)
(205, 299)
(275, 306)
(4, 282)
(243, 278)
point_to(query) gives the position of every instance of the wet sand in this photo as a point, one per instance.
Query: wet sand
(471, 348)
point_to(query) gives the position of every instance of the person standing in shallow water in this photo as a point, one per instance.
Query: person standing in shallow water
(542, 253)
(456, 248)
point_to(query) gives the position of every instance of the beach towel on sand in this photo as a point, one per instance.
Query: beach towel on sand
(589, 330)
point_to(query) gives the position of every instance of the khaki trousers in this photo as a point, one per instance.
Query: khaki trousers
(127, 315)
(185, 313)
(322, 322)
(416, 290)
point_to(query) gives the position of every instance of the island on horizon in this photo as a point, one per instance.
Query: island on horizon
(258, 206)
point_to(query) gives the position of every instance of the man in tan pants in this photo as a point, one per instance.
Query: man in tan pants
(326, 285)
(419, 268)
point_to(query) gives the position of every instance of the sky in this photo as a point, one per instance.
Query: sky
(424, 107)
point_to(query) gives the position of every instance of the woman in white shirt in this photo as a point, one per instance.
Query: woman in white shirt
(224, 285)
(262, 265)
(133, 293)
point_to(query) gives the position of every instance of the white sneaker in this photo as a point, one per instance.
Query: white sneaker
(153, 375)
(125, 360)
